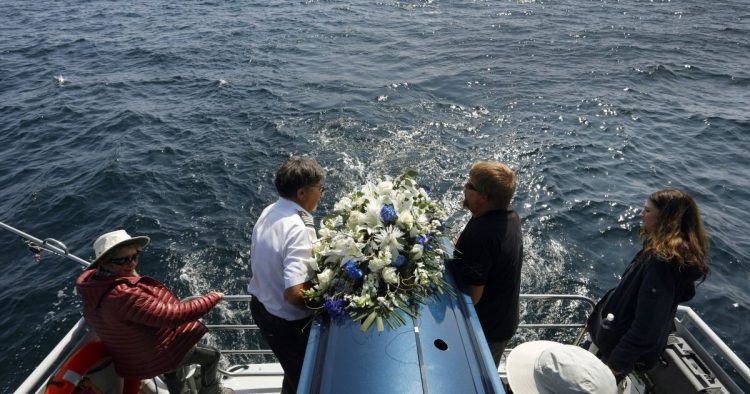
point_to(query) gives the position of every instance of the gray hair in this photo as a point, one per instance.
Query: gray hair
(297, 172)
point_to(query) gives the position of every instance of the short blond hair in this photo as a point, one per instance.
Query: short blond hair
(495, 180)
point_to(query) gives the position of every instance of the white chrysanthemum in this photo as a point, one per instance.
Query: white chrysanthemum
(388, 238)
(390, 275)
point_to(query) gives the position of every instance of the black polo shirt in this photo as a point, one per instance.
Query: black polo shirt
(488, 253)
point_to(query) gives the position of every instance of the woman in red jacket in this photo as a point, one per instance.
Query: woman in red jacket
(147, 331)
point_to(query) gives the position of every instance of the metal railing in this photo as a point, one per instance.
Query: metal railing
(581, 326)
(247, 327)
(689, 327)
(687, 318)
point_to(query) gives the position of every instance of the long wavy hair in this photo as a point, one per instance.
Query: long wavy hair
(679, 235)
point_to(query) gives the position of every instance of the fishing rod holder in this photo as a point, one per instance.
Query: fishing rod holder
(49, 245)
(57, 244)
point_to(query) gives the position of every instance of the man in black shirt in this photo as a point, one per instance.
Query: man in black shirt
(487, 257)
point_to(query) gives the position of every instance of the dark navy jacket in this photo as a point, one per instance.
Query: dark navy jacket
(644, 304)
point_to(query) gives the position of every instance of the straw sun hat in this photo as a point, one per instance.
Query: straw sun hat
(110, 241)
(542, 367)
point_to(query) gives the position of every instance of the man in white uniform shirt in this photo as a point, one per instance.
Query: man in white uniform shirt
(280, 254)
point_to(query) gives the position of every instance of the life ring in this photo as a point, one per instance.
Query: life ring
(75, 367)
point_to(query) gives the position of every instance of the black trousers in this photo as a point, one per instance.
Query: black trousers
(287, 339)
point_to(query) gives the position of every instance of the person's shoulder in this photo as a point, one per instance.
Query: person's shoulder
(121, 292)
(498, 218)
(273, 209)
(282, 209)
(135, 284)
(660, 265)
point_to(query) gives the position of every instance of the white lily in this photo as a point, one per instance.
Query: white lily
(324, 279)
(344, 204)
(417, 251)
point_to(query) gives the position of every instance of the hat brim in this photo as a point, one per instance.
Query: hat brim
(140, 242)
(520, 366)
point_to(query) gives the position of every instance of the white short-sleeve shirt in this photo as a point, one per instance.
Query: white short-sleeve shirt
(280, 256)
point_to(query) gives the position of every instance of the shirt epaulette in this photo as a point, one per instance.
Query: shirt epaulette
(307, 219)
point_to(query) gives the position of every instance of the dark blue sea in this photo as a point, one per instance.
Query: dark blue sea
(172, 117)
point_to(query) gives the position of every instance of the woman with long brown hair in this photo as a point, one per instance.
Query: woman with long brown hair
(631, 323)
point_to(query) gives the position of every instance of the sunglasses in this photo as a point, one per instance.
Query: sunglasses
(126, 259)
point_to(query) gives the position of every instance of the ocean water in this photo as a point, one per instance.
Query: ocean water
(170, 119)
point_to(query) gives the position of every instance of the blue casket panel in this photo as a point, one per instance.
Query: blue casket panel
(442, 351)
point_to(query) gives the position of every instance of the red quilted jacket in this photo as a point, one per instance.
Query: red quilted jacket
(146, 330)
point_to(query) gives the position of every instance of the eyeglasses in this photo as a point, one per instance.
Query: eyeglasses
(470, 186)
(126, 259)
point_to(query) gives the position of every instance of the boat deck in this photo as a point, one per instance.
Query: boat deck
(728, 374)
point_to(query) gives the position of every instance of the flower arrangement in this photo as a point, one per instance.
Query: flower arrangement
(379, 253)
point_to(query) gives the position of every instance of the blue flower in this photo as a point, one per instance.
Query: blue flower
(427, 191)
(335, 307)
(352, 270)
(400, 261)
(424, 241)
(339, 287)
(388, 213)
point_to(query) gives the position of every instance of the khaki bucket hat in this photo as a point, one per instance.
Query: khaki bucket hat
(110, 241)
